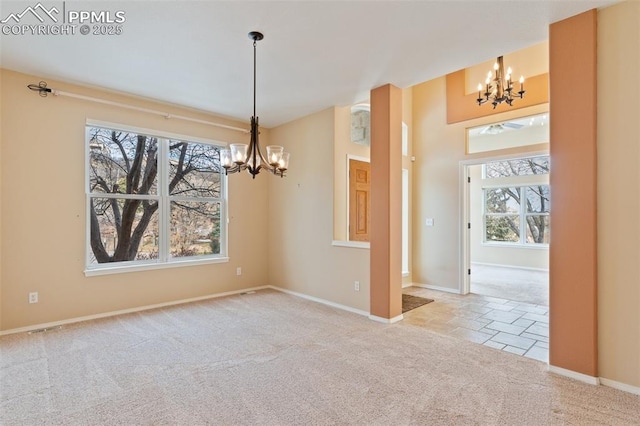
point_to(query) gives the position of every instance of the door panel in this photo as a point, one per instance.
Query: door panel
(359, 200)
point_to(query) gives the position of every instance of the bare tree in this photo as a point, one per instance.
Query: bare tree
(536, 199)
(126, 163)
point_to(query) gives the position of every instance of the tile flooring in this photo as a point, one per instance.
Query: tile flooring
(515, 327)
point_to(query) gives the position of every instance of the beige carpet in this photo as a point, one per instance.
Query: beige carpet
(273, 359)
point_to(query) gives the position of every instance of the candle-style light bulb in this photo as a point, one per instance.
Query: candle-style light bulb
(509, 70)
(495, 66)
(489, 74)
(479, 87)
(521, 79)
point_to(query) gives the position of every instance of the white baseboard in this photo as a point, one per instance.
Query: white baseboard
(435, 287)
(323, 301)
(497, 265)
(386, 320)
(574, 375)
(406, 285)
(126, 311)
(620, 386)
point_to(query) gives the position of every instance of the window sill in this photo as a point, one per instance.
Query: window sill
(517, 245)
(121, 269)
(351, 244)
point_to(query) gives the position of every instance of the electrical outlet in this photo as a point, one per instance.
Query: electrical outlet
(238, 271)
(356, 285)
(33, 297)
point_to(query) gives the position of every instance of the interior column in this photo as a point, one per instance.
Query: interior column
(386, 204)
(572, 250)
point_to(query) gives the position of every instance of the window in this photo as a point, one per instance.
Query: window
(517, 167)
(517, 212)
(152, 200)
(509, 220)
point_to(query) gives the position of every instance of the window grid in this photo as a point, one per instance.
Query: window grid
(522, 216)
(163, 198)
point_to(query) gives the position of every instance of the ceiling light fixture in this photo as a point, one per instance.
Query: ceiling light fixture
(241, 156)
(502, 88)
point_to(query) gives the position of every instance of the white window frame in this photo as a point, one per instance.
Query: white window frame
(522, 214)
(520, 182)
(164, 260)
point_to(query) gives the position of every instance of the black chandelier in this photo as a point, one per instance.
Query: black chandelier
(242, 156)
(502, 88)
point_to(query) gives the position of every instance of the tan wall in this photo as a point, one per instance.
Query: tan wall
(301, 257)
(43, 211)
(619, 192)
(521, 257)
(439, 147)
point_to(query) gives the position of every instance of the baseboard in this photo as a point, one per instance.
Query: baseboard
(406, 285)
(126, 311)
(620, 386)
(526, 268)
(438, 288)
(386, 320)
(574, 375)
(319, 300)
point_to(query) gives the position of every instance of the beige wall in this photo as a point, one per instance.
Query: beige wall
(43, 211)
(521, 257)
(439, 147)
(619, 192)
(301, 257)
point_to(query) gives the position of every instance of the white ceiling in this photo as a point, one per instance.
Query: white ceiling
(315, 54)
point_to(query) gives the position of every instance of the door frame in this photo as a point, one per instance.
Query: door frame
(464, 281)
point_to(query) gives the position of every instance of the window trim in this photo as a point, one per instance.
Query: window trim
(163, 221)
(522, 215)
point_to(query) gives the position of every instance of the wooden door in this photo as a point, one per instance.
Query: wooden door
(359, 200)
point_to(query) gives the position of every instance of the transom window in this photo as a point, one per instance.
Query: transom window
(517, 167)
(152, 199)
(518, 211)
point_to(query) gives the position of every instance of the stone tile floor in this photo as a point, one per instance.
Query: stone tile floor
(515, 327)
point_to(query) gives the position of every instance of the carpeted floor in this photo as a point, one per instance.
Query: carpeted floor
(410, 302)
(273, 359)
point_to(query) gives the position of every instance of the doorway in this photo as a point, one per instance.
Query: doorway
(506, 232)
(507, 228)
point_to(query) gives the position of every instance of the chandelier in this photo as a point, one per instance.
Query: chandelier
(241, 156)
(501, 88)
